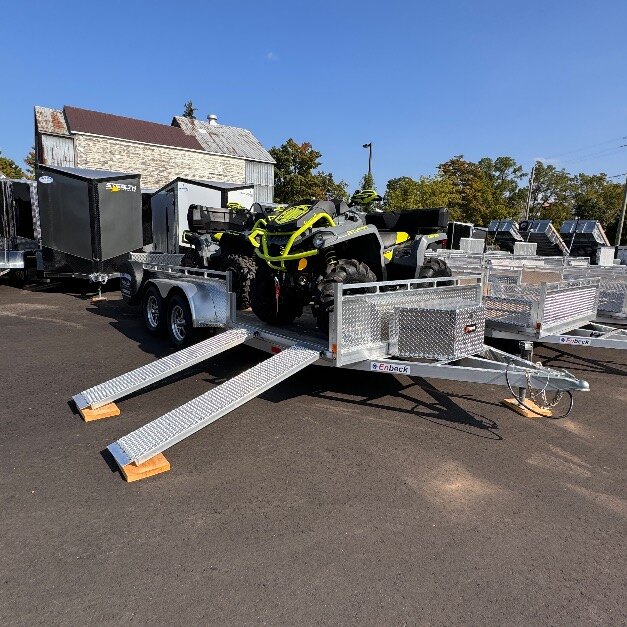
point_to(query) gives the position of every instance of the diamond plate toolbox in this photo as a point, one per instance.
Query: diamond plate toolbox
(437, 333)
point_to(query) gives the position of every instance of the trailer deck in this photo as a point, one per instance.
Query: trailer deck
(386, 328)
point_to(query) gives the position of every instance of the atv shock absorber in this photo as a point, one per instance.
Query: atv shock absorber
(330, 257)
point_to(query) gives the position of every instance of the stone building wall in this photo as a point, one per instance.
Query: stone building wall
(157, 165)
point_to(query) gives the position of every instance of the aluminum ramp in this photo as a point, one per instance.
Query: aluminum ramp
(155, 437)
(142, 377)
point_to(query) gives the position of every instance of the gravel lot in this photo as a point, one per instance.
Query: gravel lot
(336, 498)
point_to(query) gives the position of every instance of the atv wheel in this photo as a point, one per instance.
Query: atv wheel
(346, 271)
(191, 259)
(434, 268)
(272, 300)
(243, 271)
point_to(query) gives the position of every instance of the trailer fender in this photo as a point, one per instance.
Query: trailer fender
(208, 305)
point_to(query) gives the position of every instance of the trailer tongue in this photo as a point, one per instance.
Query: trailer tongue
(416, 327)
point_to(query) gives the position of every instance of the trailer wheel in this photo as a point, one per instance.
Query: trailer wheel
(345, 271)
(272, 302)
(243, 269)
(154, 310)
(179, 321)
(434, 268)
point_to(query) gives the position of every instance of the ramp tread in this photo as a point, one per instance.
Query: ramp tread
(177, 424)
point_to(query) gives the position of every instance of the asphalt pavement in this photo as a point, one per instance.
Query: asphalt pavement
(335, 498)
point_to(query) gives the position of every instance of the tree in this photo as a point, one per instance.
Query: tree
(9, 168)
(189, 110)
(552, 194)
(597, 198)
(295, 177)
(31, 162)
(367, 181)
(428, 191)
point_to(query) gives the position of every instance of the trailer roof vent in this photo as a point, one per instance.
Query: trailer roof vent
(213, 119)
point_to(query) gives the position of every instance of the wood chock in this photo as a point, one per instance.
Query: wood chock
(529, 410)
(106, 411)
(153, 466)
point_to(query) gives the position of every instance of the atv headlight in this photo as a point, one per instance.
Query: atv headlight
(318, 240)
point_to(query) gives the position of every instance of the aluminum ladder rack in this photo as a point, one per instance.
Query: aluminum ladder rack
(139, 454)
(98, 401)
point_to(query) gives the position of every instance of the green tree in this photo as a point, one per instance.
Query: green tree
(367, 181)
(428, 191)
(552, 194)
(598, 198)
(296, 174)
(189, 110)
(504, 175)
(31, 163)
(9, 168)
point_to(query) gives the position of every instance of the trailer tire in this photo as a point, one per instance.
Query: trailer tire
(346, 271)
(434, 268)
(243, 270)
(264, 302)
(153, 310)
(131, 277)
(180, 323)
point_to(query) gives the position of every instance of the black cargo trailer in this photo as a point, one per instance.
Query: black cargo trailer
(90, 221)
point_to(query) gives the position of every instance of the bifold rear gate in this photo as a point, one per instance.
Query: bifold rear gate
(424, 328)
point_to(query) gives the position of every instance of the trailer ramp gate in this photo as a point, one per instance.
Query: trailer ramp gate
(144, 376)
(148, 441)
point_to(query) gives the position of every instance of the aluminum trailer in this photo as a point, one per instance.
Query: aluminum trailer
(419, 328)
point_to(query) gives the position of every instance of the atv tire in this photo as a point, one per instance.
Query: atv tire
(270, 307)
(432, 269)
(192, 259)
(346, 271)
(243, 271)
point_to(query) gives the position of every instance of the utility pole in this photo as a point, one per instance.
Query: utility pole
(621, 218)
(369, 146)
(533, 172)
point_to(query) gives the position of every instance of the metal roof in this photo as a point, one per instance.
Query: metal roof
(96, 123)
(224, 140)
(50, 121)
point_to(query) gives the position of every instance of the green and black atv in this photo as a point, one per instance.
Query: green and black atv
(304, 249)
(217, 240)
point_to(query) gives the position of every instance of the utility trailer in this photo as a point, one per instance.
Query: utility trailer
(430, 328)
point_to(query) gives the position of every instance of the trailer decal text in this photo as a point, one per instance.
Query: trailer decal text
(576, 341)
(381, 366)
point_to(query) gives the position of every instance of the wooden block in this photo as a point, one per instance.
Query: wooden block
(98, 299)
(106, 411)
(512, 403)
(153, 466)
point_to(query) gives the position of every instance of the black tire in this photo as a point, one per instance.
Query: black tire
(131, 278)
(264, 302)
(346, 271)
(243, 270)
(432, 269)
(153, 310)
(179, 321)
(192, 259)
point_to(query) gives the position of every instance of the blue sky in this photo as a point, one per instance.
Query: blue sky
(422, 80)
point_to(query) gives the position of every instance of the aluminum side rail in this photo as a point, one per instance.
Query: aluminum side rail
(592, 335)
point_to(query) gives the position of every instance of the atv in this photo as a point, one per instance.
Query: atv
(306, 248)
(216, 240)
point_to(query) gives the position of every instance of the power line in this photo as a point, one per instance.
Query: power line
(607, 141)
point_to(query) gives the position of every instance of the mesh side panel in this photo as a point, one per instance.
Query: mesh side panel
(511, 311)
(613, 296)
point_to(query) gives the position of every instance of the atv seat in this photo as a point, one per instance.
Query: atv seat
(392, 238)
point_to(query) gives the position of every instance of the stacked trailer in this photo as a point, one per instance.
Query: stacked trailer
(429, 328)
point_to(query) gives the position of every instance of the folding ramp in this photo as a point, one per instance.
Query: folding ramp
(139, 454)
(99, 401)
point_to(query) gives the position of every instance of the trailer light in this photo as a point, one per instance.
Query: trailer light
(302, 263)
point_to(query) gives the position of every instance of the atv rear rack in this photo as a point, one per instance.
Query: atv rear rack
(367, 333)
